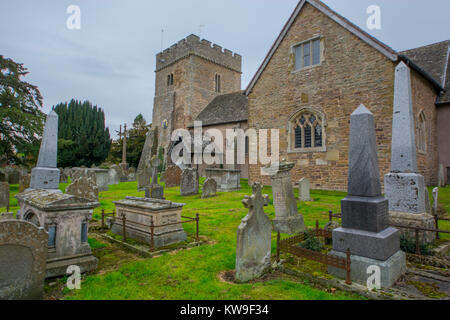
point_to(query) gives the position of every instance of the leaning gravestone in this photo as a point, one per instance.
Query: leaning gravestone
(4, 194)
(46, 174)
(144, 168)
(172, 177)
(365, 227)
(209, 188)
(304, 190)
(403, 186)
(189, 182)
(288, 220)
(253, 246)
(83, 187)
(23, 255)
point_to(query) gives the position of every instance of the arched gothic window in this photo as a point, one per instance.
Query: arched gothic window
(307, 131)
(421, 133)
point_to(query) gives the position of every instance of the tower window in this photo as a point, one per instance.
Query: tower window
(170, 80)
(218, 83)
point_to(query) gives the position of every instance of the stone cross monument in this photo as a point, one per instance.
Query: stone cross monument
(404, 187)
(46, 174)
(365, 221)
(124, 164)
(253, 239)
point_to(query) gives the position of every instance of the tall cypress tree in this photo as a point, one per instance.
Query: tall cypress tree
(83, 139)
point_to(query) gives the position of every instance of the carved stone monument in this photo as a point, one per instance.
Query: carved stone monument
(172, 176)
(404, 187)
(253, 246)
(46, 174)
(23, 255)
(288, 220)
(140, 212)
(154, 190)
(365, 221)
(83, 187)
(66, 219)
(144, 167)
(4, 194)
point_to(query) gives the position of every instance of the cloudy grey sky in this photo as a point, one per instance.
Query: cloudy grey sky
(111, 60)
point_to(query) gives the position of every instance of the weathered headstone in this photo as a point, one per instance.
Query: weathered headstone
(287, 218)
(404, 187)
(189, 182)
(266, 200)
(46, 174)
(172, 177)
(13, 175)
(365, 227)
(23, 255)
(441, 176)
(4, 194)
(131, 174)
(144, 167)
(154, 190)
(66, 218)
(209, 188)
(304, 190)
(83, 187)
(113, 176)
(24, 182)
(3, 175)
(63, 178)
(253, 246)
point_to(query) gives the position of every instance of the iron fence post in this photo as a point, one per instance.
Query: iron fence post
(317, 228)
(348, 269)
(124, 232)
(103, 219)
(436, 220)
(197, 218)
(330, 215)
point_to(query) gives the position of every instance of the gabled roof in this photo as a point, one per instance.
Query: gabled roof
(378, 45)
(434, 60)
(226, 108)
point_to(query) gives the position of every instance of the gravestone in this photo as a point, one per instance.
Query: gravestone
(287, 218)
(46, 174)
(154, 190)
(253, 246)
(63, 178)
(365, 220)
(4, 194)
(144, 167)
(435, 201)
(23, 255)
(266, 200)
(131, 174)
(189, 182)
(13, 175)
(24, 182)
(3, 175)
(83, 187)
(404, 187)
(172, 177)
(304, 190)
(441, 176)
(114, 177)
(66, 219)
(209, 188)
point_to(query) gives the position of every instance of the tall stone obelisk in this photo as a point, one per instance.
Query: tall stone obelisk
(404, 187)
(365, 221)
(46, 174)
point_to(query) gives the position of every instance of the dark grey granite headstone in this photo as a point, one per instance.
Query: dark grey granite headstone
(23, 255)
(46, 173)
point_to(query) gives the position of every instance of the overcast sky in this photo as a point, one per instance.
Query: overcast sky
(110, 61)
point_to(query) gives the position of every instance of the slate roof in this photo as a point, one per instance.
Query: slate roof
(434, 60)
(226, 108)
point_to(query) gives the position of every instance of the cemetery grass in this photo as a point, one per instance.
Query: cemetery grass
(195, 273)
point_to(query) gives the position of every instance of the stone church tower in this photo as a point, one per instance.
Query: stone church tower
(189, 75)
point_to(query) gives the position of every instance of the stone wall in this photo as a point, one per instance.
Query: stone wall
(350, 73)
